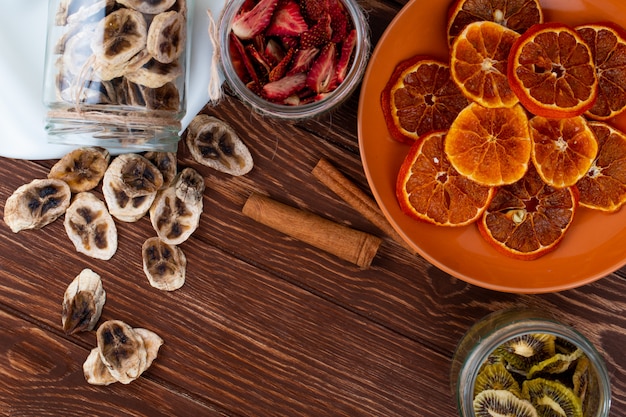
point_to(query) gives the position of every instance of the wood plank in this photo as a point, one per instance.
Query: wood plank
(42, 376)
(250, 343)
(236, 336)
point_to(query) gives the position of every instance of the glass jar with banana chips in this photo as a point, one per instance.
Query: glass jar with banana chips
(525, 363)
(116, 73)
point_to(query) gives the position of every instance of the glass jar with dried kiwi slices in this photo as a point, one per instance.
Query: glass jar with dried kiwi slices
(524, 363)
(115, 73)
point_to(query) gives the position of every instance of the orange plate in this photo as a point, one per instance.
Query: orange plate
(594, 246)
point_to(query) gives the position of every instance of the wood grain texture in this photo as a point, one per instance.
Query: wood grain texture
(42, 375)
(265, 325)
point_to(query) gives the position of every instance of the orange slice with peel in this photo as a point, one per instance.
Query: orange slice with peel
(529, 218)
(604, 186)
(607, 42)
(429, 189)
(562, 149)
(478, 63)
(552, 71)
(490, 146)
(420, 97)
(517, 15)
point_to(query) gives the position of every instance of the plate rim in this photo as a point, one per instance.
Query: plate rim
(366, 93)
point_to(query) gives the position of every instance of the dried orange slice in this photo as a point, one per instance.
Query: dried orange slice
(420, 97)
(517, 15)
(490, 145)
(551, 69)
(430, 189)
(529, 218)
(607, 42)
(604, 186)
(478, 63)
(562, 149)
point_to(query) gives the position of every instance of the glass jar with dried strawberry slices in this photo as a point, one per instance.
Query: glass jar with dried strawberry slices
(115, 73)
(293, 59)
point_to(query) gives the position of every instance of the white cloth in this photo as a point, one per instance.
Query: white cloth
(23, 26)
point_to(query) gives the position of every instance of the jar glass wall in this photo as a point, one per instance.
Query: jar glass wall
(484, 343)
(115, 73)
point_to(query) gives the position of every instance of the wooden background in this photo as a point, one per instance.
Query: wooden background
(265, 325)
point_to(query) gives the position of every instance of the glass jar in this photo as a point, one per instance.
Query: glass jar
(494, 331)
(115, 73)
(303, 108)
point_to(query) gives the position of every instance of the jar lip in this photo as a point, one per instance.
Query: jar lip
(497, 335)
(302, 111)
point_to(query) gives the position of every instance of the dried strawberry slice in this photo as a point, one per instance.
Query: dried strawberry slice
(285, 87)
(273, 52)
(235, 44)
(237, 59)
(258, 58)
(280, 69)
(322, 74)
(287, 20)
(290, 42)
(315, 9)
(318, 35)
(339, 21)
(302, 60)
(347, 47)
(255, 87)
(247, 5)
(247, 24)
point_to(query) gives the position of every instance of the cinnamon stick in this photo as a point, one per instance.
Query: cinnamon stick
(348, 244)
(328, 175)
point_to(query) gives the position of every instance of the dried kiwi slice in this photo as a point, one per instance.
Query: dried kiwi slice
(564, 346)
(557, 364)
(496, 377)
(524, 351)
(492, 402)
(585, 386)
(552, 398)
(581, 378)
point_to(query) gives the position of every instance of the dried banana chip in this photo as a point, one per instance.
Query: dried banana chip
(155, 74)
(119, 36)
(214, 143)
(129, 93)
(130, 185)
(180, 7)
(108, 71)
(82, 169)
(189, 186)
(163, 264)
(83, 302)
(121, 350)
(167, 36)
(166, 163)
(165, 98)
(152, 343)
(34, 205)
(148, 6)
(95, 371)
(90, 227)
(175, 213)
